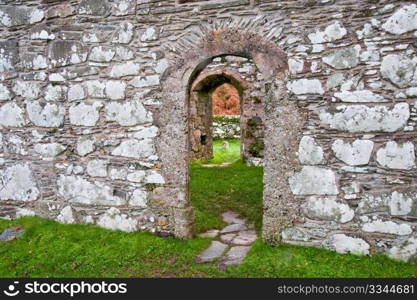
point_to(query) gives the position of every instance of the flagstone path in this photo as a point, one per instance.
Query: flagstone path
(231, 244)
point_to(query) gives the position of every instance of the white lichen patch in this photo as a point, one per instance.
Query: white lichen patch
(405, 250)
(113, 219)
(11, 115)
(85, 146)
(389, 227)
(76, 189)
(127, 113)
(84, 114)
(361, 118)
(66, 216)
(305, 86)
(313, 180)
(354, 154)
(397, 156)
(49, 150)
(139, 198)
(342, 243)
(359, 96)
(309, 152)
(328, 208)
(135, 149)
(18, 183)
(331, 33)
(402, 21)
(46, 115)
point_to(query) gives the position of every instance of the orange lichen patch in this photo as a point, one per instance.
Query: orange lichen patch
(226, 100)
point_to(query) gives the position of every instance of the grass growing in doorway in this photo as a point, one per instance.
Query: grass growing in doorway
(236, 187)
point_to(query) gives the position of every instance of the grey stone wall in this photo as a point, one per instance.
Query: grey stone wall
(86, 125)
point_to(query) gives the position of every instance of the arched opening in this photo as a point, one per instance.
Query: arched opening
(283, 125)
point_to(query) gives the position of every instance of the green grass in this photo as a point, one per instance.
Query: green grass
(49, 249)
(221, 156)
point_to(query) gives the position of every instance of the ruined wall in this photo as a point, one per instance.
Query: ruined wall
(81, 113)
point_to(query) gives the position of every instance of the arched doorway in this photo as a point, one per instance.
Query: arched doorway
(283, 124)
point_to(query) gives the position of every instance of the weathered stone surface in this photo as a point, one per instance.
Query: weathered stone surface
(60, 11)
(64, 53)
(400, 69)
(296, 66)
(97, 168)
(124, 69)
(124, 7)
(234, 256)
(405, 250)
(309, 152)
(328, 209)
(135, 149)
(397, 156)
(342, 243)
(124, 33)
(93, 7)
(354, 154)
(313, 180)
(28, 90)
(95, 88)
(102, 54)
(128, 113)
(11, 115)
(115, 90)
(5, 93)
(210, 233)
(387, 227)
(361, 118)
(294, 234)
(150, 34)
(231, 217)
(85, 114)
(359, 96)
(139, 198)
(305, 86)
(20, 15)
(215, 250)
(76, 92)
(113, 219)
(18, 183)
(331, 33)
(343, 58)
(76, 189)
(66, 216)
(245, 238)
(9, 55)
(153, 177)
(55, 93)
(402, 204)
(402, 21)
(85, 146)
(46, 115)
(137, 176)
(35, 62)
(146, 132)
(233, 228)
(49, 150)
(142, 82)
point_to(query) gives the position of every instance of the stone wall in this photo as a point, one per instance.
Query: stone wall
(88, 121)
(226, 127)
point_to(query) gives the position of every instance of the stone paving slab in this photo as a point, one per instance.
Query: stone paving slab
(210, 233)
(231, 217)
(228, 237)
(215, 250)
(245, 238)
(233, 228)
(235, 256)
(12, 233)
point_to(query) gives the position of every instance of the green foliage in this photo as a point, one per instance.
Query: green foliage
(226, 119)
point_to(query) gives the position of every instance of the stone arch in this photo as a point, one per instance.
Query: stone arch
(200, 111)
(283, 127)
